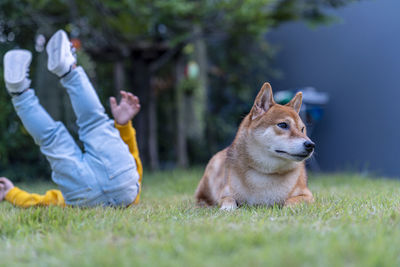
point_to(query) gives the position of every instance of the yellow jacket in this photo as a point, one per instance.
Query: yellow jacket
(24, 199)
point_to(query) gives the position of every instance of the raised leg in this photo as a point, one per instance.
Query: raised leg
(97, 132)
(55, 142)
(86, 104)
(105, 151)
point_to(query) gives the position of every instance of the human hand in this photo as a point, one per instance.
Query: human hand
(127, 109)
(5, 186)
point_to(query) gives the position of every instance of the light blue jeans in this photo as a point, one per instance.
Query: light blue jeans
(105, 173)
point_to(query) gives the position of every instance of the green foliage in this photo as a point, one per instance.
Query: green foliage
(109, 30)
(122, 24)
(355, 221)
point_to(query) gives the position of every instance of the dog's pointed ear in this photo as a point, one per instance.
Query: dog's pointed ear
(263, 102)
(295, 103)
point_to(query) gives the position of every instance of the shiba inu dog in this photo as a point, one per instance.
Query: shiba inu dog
(265, 163)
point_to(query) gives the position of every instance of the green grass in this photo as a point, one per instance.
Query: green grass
(355, 221)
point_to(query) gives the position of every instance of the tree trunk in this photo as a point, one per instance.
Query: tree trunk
(141, 88)
(200, 53)
(153, 142)
(181, 145)
(119, 77)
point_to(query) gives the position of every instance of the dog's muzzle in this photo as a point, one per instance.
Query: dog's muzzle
(309, 146)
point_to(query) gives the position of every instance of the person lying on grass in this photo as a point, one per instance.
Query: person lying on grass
(109, 171)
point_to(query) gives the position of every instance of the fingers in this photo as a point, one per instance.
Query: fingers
(3, 189)
(130, 98)
(124, 95)
(133, 100)
(5, 186)
(2, 193)
(113, 102)
(6, 182)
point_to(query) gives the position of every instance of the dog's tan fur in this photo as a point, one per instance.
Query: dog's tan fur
(253, 170)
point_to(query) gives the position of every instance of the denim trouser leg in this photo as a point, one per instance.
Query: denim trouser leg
(85, 102)
(113, 166)
(63, 154)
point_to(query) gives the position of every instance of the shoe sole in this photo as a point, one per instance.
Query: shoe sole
(16, 73)
(54, 48)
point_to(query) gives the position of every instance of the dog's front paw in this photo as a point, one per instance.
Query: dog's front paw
(299, 199)
(228, 204)
(228, 207)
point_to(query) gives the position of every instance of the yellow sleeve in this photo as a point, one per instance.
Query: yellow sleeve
(24, 199)
(128, 135)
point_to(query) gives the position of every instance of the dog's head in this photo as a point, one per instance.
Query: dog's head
(278, 129)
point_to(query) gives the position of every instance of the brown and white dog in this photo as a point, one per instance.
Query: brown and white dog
(265, 163)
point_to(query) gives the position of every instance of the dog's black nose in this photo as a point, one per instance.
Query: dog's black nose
(309, 146)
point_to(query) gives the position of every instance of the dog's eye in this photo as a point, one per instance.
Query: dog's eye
(283, 125)
(302, 130)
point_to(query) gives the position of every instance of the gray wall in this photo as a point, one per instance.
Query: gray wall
(357, 61)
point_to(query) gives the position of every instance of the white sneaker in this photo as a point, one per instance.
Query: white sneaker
(16, 70)
(60, 54)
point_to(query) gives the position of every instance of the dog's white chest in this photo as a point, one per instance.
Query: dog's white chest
(264, 189)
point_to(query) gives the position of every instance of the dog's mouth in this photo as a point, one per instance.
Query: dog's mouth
(300, 156)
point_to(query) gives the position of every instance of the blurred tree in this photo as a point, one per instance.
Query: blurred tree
(140, 38)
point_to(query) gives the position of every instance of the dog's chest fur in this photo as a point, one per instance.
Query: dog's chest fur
(256, 188)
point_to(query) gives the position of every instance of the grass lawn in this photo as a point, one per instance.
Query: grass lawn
(355, 221)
